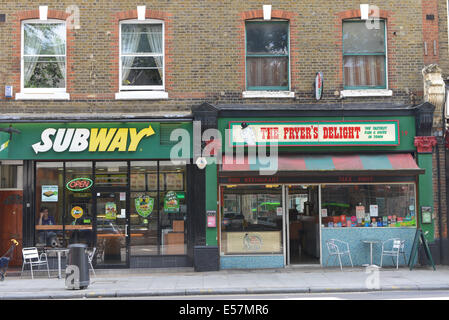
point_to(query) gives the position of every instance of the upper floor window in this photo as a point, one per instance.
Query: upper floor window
(267, 55)
(364, 55)
(43, 56)
(141, 55)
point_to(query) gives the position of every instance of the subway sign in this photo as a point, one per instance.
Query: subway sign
(314, 133)
(94, 139)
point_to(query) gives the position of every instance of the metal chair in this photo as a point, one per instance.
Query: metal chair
(90, 258)
(31, 256)
(393, 248)
(338, 248)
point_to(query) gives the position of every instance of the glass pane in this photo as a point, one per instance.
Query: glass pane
(141, 38)
(364, 71)
(10, 176)
(303, 211)
(173, 204)
(111, 223)
(267, 72)
(78, 198)
(383, 205)
(111, 174)
(267, 37)
(41, 38)
(142, 71)
(357, 38)
(44, 72)
(251, 219)
(144, 210)
(49, 204)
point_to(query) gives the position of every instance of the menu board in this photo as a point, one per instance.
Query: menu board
(152, 181)
(174, 181)
(138, 181)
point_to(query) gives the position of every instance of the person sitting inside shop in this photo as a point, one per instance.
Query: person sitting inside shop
(47, 237)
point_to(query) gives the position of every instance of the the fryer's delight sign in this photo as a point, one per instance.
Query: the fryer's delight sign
(315, 133)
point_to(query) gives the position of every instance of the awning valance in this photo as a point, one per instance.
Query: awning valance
(340, 163)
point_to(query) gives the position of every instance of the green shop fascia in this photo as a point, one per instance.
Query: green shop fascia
(111, 185)
(356, 173)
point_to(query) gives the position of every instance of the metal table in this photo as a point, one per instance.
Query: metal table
(58, 251)
(370, 242)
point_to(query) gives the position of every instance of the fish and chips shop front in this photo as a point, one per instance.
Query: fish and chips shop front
(110, 185)
(362, 177)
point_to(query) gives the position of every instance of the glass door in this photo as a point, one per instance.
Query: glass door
(303, 224)
(112, 226)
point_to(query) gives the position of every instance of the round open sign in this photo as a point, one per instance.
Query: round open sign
(79, 184)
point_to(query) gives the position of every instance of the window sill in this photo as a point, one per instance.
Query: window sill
(42, 96)
(366, 93)
(268, 94)
(141, 95)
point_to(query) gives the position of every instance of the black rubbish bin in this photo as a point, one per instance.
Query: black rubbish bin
(206, 258)
(77, 270)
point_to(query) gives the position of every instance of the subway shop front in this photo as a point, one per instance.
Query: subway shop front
(121, 187)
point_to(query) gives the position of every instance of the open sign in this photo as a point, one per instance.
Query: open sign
(79, 184)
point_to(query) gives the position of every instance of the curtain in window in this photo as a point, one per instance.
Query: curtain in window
(154, 36)
(130, 42)
(32, 48)
(364, 71)
(267, 72)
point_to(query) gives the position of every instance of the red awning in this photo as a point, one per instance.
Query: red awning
(356, 162)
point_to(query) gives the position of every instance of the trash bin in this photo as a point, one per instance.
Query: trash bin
(77, 270)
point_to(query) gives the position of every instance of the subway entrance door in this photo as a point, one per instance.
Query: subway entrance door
(112, 223)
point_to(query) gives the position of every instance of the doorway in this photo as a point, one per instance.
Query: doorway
(112, 225)
(302, 224)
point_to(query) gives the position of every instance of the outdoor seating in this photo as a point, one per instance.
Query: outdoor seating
(338, 248)
(393, 248)
(31, 256)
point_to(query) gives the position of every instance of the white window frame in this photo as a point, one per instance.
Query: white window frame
(36, 93)
(124, 89)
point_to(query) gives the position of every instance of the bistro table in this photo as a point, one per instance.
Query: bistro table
(58, 251)
(370, 242)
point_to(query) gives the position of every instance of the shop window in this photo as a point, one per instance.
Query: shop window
(158, 208)
(141, 55)
(49, 203)
(379, 205)
(43, 56)
(144, 208)
(173, 208)
(251, 219)
(267, 55)
(364, 56)
(11, 176)
(78, 218)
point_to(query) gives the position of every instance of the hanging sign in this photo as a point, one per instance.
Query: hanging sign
(144, 206)
(315, 133)
(171, 202)
(79, 184)
(110, 210)
(318, 85)
(77, 212)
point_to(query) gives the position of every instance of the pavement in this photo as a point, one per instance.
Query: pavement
(186, 282)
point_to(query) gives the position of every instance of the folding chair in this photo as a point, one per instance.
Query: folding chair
(392, 248)
(90, 257)
(31, 256)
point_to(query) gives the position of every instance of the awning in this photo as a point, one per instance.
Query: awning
(389, 163)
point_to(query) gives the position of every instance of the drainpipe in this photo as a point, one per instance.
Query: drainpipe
(435, 93)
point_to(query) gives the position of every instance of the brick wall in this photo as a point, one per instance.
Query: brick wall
(204, 60)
